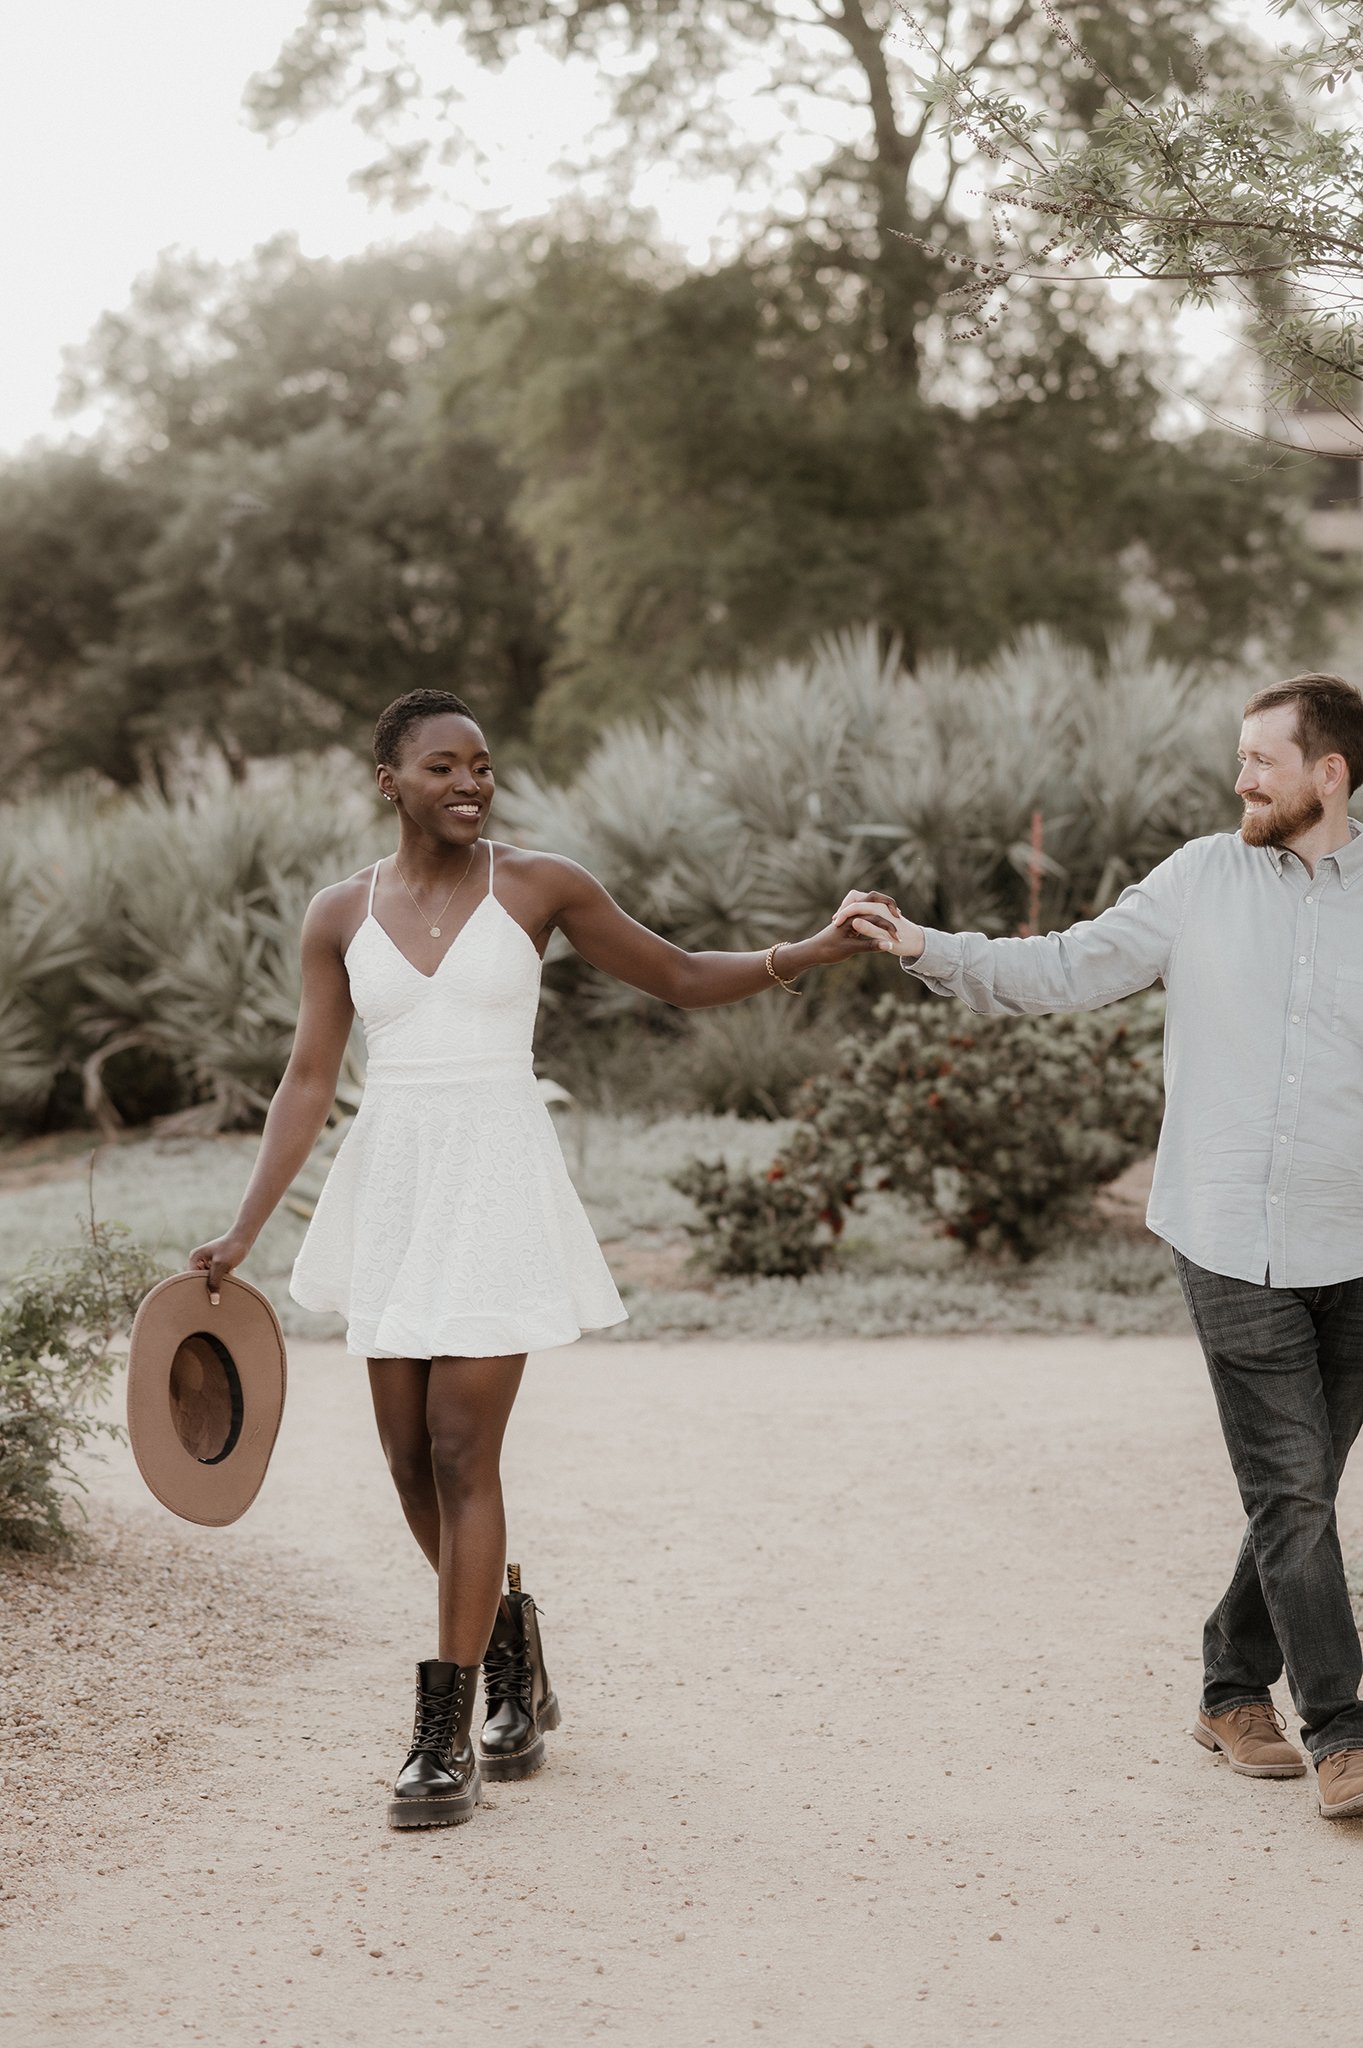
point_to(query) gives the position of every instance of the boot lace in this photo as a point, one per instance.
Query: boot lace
(507, 1676)
(437, 1716)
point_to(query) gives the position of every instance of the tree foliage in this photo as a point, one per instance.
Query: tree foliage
(1217, 187)
(875, 187)
(716, 471)
(282, 529)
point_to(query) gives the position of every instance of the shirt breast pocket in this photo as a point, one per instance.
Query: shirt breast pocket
(1346, 1012)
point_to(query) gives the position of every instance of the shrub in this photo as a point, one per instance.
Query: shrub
(149, 946)
(1002, 1127)
(56, 1329)
(753, 1223)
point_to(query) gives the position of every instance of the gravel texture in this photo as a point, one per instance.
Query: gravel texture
(121, 1662)
(876, 1663)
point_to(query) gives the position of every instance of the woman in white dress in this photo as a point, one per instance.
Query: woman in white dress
(449, 1234)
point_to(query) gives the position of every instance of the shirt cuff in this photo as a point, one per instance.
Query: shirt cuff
(941, 953)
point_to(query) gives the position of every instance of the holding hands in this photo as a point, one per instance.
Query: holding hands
(840, 939)
(878, 920)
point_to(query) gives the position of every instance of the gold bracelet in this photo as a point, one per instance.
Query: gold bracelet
(788, 986)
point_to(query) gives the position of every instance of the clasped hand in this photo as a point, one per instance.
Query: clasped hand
(878, 920)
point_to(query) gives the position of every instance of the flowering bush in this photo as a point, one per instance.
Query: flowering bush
(1001, 1127)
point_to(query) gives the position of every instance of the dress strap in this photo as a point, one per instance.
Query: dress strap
(490, 889)
(369, 912)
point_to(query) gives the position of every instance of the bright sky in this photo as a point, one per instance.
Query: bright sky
(121, 134)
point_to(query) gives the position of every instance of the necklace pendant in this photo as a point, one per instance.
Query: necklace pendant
(435, 931)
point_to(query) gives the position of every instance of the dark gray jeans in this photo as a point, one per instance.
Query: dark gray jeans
(1286, 1366)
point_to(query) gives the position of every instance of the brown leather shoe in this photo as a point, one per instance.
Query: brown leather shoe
(1254, 1742)
(1339, 1781)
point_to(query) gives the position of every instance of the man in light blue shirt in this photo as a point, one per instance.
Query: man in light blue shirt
(1258, 1188)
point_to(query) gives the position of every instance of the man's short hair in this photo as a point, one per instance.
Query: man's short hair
(1329, 717)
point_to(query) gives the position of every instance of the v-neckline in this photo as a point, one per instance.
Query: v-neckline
(420, 972)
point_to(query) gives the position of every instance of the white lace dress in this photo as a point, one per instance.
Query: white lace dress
(448, 1226)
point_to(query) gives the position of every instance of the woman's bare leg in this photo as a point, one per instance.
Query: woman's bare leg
(468, 1403)
(398, 1386)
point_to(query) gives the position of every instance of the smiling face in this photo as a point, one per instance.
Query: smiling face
(442, 779)
(1281, 791)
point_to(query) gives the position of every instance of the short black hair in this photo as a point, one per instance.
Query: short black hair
(1329, 717)
(397, 720)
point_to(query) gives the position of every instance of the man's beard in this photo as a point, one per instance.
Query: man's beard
(1278, 823)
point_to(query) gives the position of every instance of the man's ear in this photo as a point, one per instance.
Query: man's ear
(1336, 773)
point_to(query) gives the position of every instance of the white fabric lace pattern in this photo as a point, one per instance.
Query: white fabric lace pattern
(448, 1226)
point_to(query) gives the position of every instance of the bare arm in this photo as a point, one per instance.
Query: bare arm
(302, 1102)
(596, 926)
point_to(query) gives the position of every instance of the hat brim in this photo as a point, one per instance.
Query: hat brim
(205, 1395)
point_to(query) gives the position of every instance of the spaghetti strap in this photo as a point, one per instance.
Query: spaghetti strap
(369, 909)
(490, 889)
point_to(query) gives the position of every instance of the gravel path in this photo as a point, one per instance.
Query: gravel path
(875, 1660)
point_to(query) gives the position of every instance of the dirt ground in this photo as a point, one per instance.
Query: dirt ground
(875, 1661)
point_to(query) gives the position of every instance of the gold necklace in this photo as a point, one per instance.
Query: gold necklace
(435, 928)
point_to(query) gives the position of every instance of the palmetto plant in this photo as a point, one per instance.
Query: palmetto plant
(148, 948)
(747, 811)
(163, 935)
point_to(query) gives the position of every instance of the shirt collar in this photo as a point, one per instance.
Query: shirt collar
(1348, 859)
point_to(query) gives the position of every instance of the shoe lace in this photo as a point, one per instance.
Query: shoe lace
(507, 1676)
(437, 1716)
(1248, 1717)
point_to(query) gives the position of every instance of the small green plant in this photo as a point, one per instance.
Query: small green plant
(57, 1326)
(1000, 1127)
(753, 1222)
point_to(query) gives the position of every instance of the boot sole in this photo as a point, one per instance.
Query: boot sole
(448, 1812)
(1210, 1741)
(522, 1763)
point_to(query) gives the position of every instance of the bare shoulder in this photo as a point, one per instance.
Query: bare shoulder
(551, 879)
(336, 912)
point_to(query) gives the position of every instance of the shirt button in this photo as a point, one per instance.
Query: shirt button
(1291, 1077)
(1296, 1020)
(1310, 899)
(1301, 959)
(1282, 1138)
(1274, 1200)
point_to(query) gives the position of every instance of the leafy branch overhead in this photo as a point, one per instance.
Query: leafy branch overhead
(807, 107)
(1243, 188)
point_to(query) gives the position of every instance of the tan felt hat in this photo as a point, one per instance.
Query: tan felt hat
(205, 1395)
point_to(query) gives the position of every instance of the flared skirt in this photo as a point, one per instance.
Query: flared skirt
(448, 1227)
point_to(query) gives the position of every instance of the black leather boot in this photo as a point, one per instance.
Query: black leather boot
(438, 1786)
(520, 1700)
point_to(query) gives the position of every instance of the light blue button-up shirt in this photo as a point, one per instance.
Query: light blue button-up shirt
(1260, 1167)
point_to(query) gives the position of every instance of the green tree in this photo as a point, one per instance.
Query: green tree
(839, 71)
(718, 465)
(1211, 188)
(284, 529)
(713, 472)
(72, 533)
